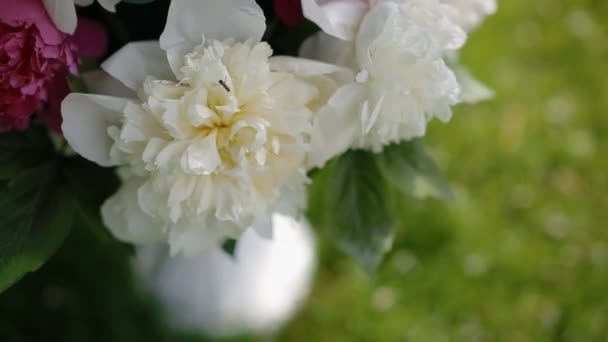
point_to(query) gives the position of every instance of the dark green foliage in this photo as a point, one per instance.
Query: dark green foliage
(349, 199)
(42, 194)
(410, 169)
(138, 2)
(37, 215)
(229, 246)
(85, 293)
(92, 185)
(36, 212)
(352, 198)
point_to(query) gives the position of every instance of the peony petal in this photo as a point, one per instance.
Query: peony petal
(329, 49)
(63, 14)
(193, 239)
(337, 125)
(339, 18)
(31, 11)
(123, 216)
(307, 67)
(189, 20)
(371, 27)
(100, 82)
(289, 12)
(85, 122)
(369, 119)
(136, 61)
(471, 90)
(109, 5)
(202, 157)
(91, 38)
(326, 78)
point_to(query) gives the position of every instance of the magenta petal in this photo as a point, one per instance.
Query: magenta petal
(33, 11)
(16, 115)
(91, 38)
(289, 11)
(33, 53)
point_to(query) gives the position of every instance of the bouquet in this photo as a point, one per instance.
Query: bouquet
(233, 113)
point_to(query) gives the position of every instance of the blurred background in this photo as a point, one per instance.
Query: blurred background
(520, 254)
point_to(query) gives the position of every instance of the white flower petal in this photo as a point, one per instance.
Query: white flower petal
(470, 13)
(264, 229)
(339, 18)
(307, 67)
(329, 49)
(368, 120)
(327, 78)
(85, 122)
(471, 90)
(371, 27)
(136, 61)
(122, 214)
(209, 172)
(180, 191)
(193, 239)
(286, 208)
(201, 157)
(170, 154)
(150, 200)
(100, 82)
(63, 14)
(337, 125)
(109, 5)
(189, 20)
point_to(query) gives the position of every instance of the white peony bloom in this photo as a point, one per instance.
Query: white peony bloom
(217, 138)
(403, 80)
(63, 12)
(470, 13)
(254, 292)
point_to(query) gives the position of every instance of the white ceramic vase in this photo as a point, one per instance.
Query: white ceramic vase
(252, 292)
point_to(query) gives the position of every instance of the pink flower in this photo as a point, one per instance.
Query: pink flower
(288, 11)
(32, 53)
(91, 41)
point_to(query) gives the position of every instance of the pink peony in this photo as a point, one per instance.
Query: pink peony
(32, 53)
(91, 41)
(288, 11)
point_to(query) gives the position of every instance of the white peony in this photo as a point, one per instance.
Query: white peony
(63, 12)
(218, 137)
(397, 49)
(470, 13)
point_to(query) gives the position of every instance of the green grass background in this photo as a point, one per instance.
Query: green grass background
(520, 254)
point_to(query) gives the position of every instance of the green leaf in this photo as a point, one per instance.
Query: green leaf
(413, 171)
(79, 173)
(36, 211)
(37, 215)
(348, 200)
(229, 246)
(22, 150)
(76, 84)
